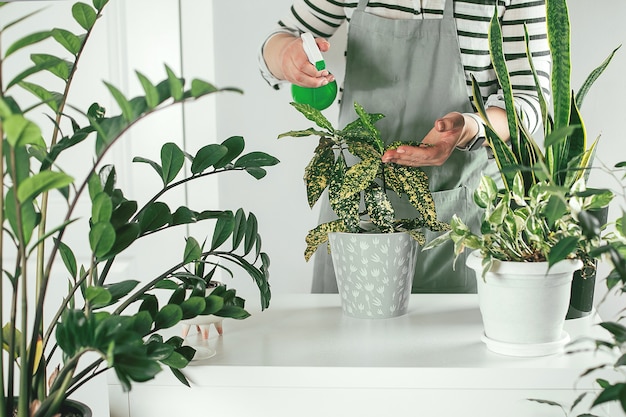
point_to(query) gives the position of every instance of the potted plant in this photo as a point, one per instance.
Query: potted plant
(366, 227)
(541, 219)
(103, 321)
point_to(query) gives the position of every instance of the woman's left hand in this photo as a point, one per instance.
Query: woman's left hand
(450, 131)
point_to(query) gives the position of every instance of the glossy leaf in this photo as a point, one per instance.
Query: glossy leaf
(193, 250)
(155, 216)
(97, 296)
(68, 40)
(175, 84)
(223, 229)
(122, 102)
(101, 238)
(358, 177)
(167, 317)
(124, 237)
(207, 156)
(153, 164)
(314, 115)
(41, 182)
(235, 146)
(562, 249)
(84, 14)
(68, 257)
(53, 64)
(192, 307)
(172, 161)
(256, 159)
(317, 173)
(101, 208)
(239, 230)
(251, 233)
(200, 88)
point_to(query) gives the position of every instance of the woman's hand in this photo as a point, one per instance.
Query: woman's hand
(450, 131)
(286, 59)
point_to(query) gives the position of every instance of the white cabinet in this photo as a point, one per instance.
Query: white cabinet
(303, 357)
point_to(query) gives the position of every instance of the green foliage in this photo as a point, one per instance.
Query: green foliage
(538, 214)
(116, 318)
(366, 182)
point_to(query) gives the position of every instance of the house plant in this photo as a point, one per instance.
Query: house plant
(103, 321)
(347, 163)
(543, 213)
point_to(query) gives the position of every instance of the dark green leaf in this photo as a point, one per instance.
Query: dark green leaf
(168, 316)
(155, 216)
(193, 250)
(239, 231)
(235, 145)
(175, 360)
(257, 173)
(69, 260)
(233, 312)
(124, 237)
(564, 247)
(101, 208)
(153, 164)
(223, 229)
(207, 156)
(172, 160)
(193, 307)
(251, 233)
(256, 159)
(97, 296)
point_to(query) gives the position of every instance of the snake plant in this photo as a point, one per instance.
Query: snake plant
(366, 181)
(543, 211)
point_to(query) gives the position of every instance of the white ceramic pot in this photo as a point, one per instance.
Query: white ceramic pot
(374, 272)
(524, 304)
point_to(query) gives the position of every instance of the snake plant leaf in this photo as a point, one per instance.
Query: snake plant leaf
(85, 15)
(28, 40)
(101, 238)
(154, 216)
(358, 177)
(558, 23)
(504, 157)
(68, 40)
(499, 63)
(562, 249)
(379, 208)
(206, 157)
(319, 236)
(574, 150)
(543, 104)
(592, 77)
(314, 115)
(235, 146)
(319, 170)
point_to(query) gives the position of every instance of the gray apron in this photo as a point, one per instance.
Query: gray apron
(411, 71)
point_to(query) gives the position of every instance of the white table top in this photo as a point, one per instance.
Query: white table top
(439, 339)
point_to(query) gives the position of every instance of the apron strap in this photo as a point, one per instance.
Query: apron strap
(362, 5)
(448, 10)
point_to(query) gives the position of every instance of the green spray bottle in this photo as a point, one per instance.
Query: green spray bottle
(320, 97)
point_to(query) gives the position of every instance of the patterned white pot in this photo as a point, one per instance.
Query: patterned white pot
(374, 272)
(523, 305)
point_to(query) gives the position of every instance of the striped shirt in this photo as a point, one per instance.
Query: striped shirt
(324, 17)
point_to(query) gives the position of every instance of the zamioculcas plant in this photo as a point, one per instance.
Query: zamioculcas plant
(104, 321)
(366, 182)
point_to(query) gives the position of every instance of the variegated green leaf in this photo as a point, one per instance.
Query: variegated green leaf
(379, 208)
(318, 172)
(359, 176)
(314, 115)
(319, 236)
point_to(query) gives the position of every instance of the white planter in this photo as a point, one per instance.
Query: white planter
(524, 304)
(374, 272)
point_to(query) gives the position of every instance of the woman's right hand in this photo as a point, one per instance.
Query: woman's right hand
(286, 59)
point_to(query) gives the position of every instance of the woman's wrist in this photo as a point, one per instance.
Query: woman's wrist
(474, 133)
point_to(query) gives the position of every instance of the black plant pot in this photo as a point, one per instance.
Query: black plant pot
(583, 285)
(75, 409)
